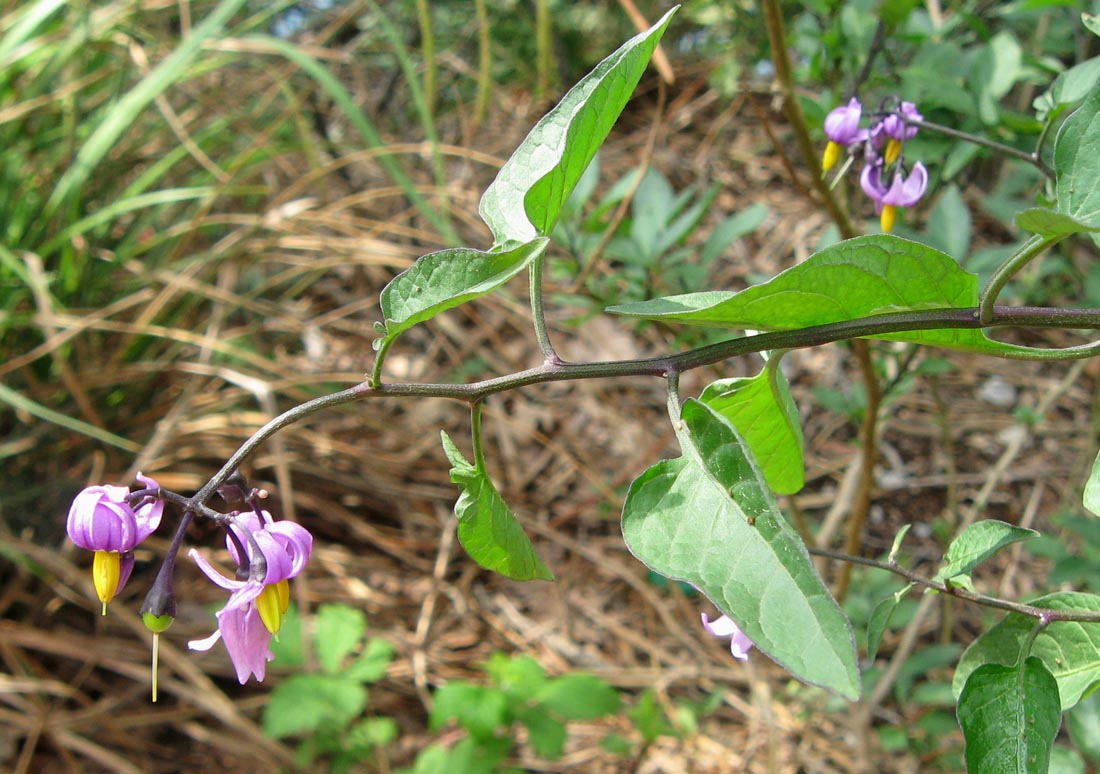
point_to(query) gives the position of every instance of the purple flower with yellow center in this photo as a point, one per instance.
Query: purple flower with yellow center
(267, 556)
(904, 191)
(897, 128)
(740, 644)
(842, 129)
(102, 519)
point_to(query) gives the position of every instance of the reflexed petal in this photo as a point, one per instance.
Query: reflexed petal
(205, 644)
(720, 627)
(870, 180)
(296, 541)
(209, 571)
(740, 645)
(905, 192)
(842, 123)
(246, 638)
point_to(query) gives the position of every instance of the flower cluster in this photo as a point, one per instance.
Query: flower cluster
(883, 178)
(112, 520)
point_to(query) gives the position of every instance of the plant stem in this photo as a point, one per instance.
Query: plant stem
(1006, 150)
(1034, 246)
(663, 366)
(476, 438)
(538, 310)
(1043, 614)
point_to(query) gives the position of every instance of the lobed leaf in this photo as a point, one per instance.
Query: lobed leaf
(487, 528)
(525, 199)
(707, 518)
(977, 543)
(1070, 650)
(762, 410)
(1009, 717)
(443, 280)
(861, 277)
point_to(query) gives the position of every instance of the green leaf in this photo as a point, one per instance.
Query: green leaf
(1069, 88)
(1083, 722)
(1091, 497)
(1048, 223)
(487, 528)
(731, 229)
(1077, 164)
(445, 279)
(1070, 650)
(1009, 717)
(478, 709)
(708, 518)
(762, 410)
(305, 703)
(288, 646)
(880, 619)
(547, 735)
(977, 543)
(373, 732)
(949, 224)
(337, 631)
(526, 197)
(579, 697)
(857, 278)
(520, 676)
(372, 663)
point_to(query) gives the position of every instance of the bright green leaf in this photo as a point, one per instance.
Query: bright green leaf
(762, 410)
(372, 663)
(338, 630)
(1048, 223)
(373, 732)
(708, 518)
(579, 697)
(478, 709)
(526, 197)
(977, 543)
(1070, 650)
(1009, 717)
(1069, 88)
(445, 279)
(519, 675)
(546, 734)
(305, 703)
(1091, 497)
(1077, 163)
(487, 528)
(857, 278)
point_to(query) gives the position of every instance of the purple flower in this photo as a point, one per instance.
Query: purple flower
(102, 519)
(842, 129)
(903, 191)
(273, 553)
(895, 126)
(740, 644)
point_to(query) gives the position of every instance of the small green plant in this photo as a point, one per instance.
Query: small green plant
(325, 709)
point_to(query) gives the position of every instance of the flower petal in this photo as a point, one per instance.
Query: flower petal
(720, 627)
(215, 576)
(246, 638)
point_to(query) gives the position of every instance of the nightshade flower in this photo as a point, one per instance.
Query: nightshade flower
(903, 191)
(273, 553)
(896, 128)
(842, 129)
(740, 644)
(101, 519)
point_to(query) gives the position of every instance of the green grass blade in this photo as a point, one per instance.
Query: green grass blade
(22, 402)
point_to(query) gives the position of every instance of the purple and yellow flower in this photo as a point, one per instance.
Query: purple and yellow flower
(740, 644)
(904, 191)
(102, 519)
(273, 553)
(842, 129)
(898, 129)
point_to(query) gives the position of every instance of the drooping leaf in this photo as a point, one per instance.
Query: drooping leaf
(1077, 163)
(1009, 717)
(1070, 650)
(708, 518)
(487, 528)
(443, 280)
(977, 543)
(861, 277)
(525, 199)
(762, 410)
(1091, 496)
(880, 619)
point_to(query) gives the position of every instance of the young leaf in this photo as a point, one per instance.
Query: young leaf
(856, 278)
(1070, 650)
(445, 279)
(338, 629)
(880, 619)
(487, 528)
(762, 410)
(1009, 717)
(1077, 163)
(579, 697)
(708, 518)
(372, 663)
(977, 543)
(1091, 497)
(305, 703)
(527, 196)
(478, 709)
